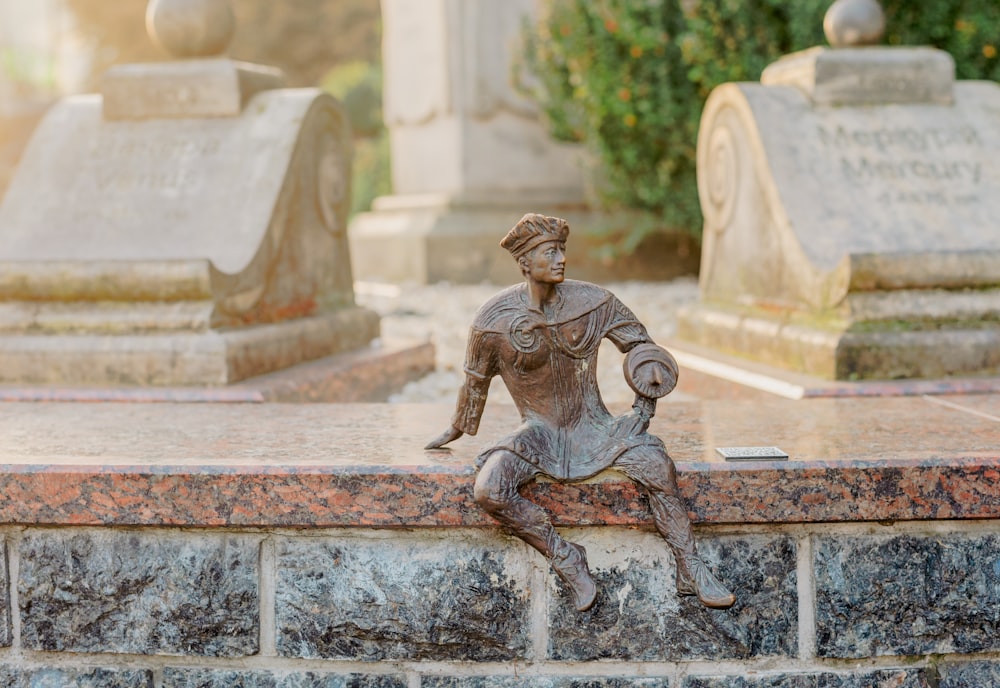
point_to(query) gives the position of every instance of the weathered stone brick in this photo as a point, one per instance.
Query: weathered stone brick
(969, 675)
(463, 598)
(638, 615)
(140, 593)
(210, 678)
(907, 594)
(887, 678)
(15, 677)
(5, 631)
(540, 682)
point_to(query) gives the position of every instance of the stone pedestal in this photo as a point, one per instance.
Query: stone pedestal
(469, 155)
(851, 203)
(184, 227)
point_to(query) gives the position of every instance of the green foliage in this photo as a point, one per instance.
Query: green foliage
(629, 78)
(358, 86)
(611, 73)
(27, 72)
(968, 29)
(370, 177)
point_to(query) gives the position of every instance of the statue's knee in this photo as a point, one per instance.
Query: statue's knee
(490, 497)
(491, 490)
(653, 468)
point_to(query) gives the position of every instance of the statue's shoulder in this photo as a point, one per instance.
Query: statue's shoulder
(580, 298)
(577, 299)
(500, 309)
(584, 291)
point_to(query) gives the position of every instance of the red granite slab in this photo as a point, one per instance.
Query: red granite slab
(984, 405)
(291, 465)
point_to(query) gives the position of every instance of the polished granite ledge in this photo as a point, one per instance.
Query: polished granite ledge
(291, 465)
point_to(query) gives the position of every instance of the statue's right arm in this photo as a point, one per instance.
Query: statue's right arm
(468, 411)
(479, 371)
(452, 433)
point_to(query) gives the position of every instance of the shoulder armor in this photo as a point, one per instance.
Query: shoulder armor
(580, 298)
(495, 313)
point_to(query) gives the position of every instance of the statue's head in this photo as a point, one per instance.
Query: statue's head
(530, 233)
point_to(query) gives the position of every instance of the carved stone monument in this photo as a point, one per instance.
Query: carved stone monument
(851, 202)
(186, 226)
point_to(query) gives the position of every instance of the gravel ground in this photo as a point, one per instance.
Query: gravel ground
(443, 313)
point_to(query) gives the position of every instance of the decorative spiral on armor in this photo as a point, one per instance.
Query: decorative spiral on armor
(524, 335)
(722, 178)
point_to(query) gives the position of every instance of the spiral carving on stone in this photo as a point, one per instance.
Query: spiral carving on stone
(722, 176)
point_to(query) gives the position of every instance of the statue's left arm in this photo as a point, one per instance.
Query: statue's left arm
(627, 333)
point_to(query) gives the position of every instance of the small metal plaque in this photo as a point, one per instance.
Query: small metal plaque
(751, 453)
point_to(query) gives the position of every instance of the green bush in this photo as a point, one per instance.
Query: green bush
(370, 177)
(611, 73)
(629, 78)
(969, 30)
(358, 86)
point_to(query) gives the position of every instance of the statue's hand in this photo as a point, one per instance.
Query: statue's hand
(444, 438)
(631, 424)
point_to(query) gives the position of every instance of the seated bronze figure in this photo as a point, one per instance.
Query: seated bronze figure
(542, 338)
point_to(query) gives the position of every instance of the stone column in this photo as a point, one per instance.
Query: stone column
(469, 154)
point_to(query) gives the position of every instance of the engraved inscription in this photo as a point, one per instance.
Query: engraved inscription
(940, 198)
(893, 83)
(117, 181)
(866, 169)
(934, 162)
(900, 139)
(159, 149)
(167, 166)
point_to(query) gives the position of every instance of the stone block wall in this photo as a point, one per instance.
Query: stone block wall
(312, 546)
(852, 605)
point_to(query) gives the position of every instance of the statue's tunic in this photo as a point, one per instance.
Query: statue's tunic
(549, 363)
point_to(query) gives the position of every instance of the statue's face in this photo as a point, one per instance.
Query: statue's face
(547, 263)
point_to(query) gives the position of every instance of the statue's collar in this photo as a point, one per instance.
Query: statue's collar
(572, 300)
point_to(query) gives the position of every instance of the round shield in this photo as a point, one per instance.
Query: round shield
(650, 371)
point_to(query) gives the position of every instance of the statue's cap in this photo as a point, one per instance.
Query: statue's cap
(534, 229)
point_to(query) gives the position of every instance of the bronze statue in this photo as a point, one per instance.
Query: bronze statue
(542, 338)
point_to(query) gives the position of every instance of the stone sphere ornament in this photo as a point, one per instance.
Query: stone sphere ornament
(191, 28)
(851, 23)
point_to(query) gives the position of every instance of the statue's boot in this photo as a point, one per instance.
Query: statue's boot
(694, 578)
(531, 523)
(569, 561)
(693, 575)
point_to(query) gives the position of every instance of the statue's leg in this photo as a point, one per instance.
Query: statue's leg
(654, 471)
(497, 492)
